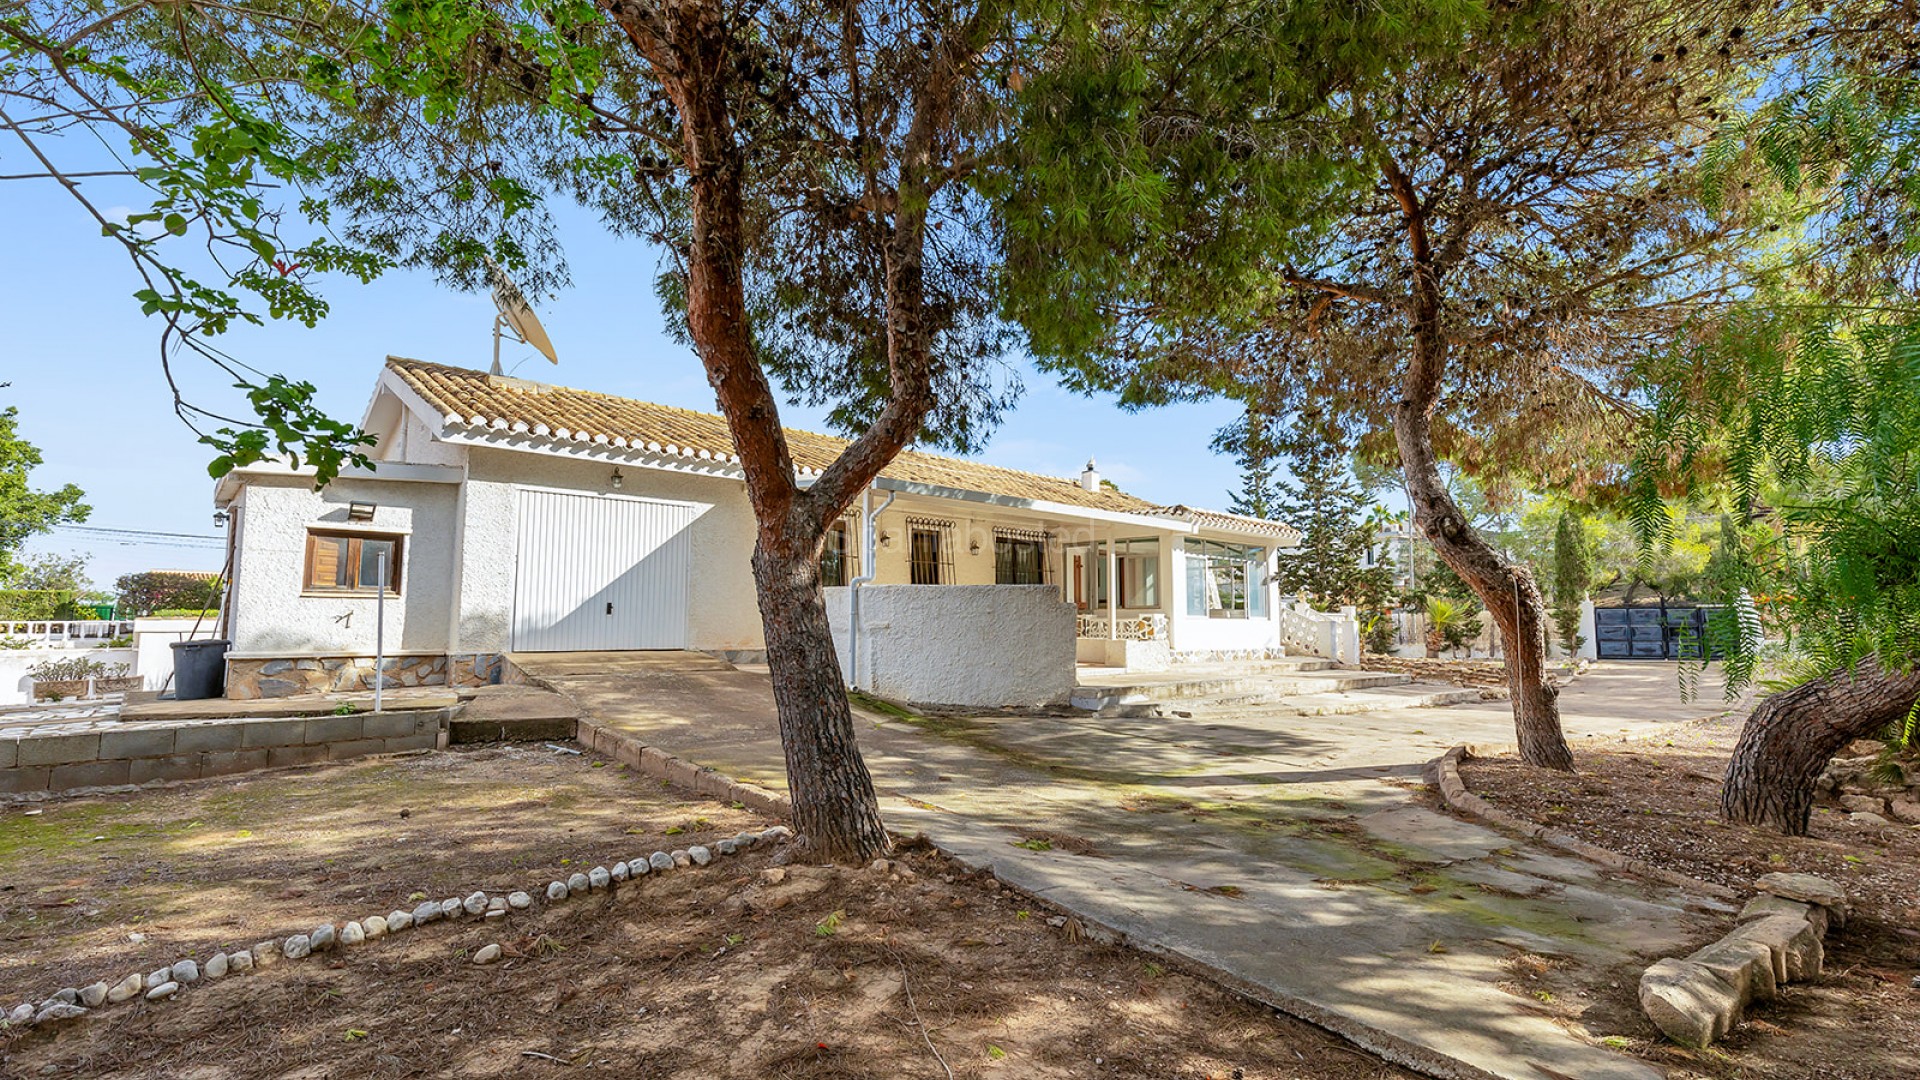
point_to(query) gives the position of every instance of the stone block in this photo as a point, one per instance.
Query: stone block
(1810, 889)
(708, 782)
(173, 767)
(274, 733)
(58, 749)
(1688, 1003)
(137, 743)
(1797, 953)
(428, 741)
(654, 761)
(228, 762)
(394, 725)
(24, 778)
(9, 753)
(88, 774)
(193, 738)
(329, 729)
(1744, 964)
(279, 757)
(1768, 904)
(353, 748)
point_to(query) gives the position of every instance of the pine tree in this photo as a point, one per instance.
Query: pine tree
(1250, 440)
(1326, 503)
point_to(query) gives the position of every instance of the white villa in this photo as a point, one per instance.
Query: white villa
(507, 516)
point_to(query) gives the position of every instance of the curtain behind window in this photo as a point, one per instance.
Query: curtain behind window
(923, 553)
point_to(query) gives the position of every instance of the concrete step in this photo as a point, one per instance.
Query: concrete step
(1244, 689)
(1381, 699)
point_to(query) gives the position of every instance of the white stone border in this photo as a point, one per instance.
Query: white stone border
(162, 984)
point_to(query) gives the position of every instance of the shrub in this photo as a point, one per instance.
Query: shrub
(37, 604)
(76, 668)
(160, 590)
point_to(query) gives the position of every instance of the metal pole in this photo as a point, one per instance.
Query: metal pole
(380, 632)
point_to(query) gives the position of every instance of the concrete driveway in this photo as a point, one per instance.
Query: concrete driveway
(1295, 855)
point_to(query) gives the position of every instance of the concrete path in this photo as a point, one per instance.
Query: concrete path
(1291, 853)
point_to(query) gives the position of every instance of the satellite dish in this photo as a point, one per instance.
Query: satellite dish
(515, 316)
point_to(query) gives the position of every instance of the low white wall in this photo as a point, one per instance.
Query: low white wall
(153, 645)
(16, 686)
(976, 645)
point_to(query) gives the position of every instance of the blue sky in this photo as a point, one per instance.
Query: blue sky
(85, 370)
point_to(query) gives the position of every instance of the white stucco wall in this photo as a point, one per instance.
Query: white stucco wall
(985, 646)
(724, 612)
(271, 616)
(16, 686)
(153, 645)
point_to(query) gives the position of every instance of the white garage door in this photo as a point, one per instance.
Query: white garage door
(599, 572)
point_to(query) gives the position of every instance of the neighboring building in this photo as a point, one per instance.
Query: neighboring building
(514, 516)
(1393, 548)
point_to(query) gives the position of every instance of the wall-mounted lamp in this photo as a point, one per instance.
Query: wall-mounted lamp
(886, 538)
(359, 511)
(220, 519)
(617, 478)
(973, 547)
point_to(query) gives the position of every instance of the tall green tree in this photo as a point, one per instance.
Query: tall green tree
(1324, 501)
(1252, 443)
(1572, 578)
(24, 511)
(1462, 250)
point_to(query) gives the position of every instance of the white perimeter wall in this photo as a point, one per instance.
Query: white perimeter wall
(270, 615)
(16, 686)
(977, 645)
(724, 612)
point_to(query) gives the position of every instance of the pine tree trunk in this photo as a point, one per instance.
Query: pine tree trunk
(1506, 589)
(834, 804)
(1789, 739)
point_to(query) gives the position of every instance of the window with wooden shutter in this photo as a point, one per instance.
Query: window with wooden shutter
(340, 562)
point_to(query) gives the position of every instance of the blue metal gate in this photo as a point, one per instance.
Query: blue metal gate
(1650, 633)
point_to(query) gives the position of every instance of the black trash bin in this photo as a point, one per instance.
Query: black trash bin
(199, 669)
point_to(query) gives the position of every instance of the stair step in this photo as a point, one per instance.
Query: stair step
(1384, 699)
(1241, 690)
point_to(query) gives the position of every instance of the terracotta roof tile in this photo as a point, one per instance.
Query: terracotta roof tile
(476, 400)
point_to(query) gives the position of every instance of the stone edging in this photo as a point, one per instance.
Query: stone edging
(678, 771)
(166, 982)
(1454, 793)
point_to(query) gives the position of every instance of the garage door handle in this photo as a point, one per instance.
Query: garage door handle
(609, 607)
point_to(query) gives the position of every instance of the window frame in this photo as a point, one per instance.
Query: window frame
(1007, 542)
(847, 556)
(941, 565)
(351, 554)
(1243, 593)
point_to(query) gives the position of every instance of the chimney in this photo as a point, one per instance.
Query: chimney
(1090, 477)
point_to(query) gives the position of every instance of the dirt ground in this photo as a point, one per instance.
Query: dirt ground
(721, 972)
(1659, 801)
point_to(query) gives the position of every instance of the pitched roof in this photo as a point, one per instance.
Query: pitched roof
(1240, 523)
(475, 401)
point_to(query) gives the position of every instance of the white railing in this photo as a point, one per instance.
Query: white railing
(1148, 627)
(50, 631)
(1304, 631)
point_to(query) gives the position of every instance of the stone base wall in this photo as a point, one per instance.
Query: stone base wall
(269, 678)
